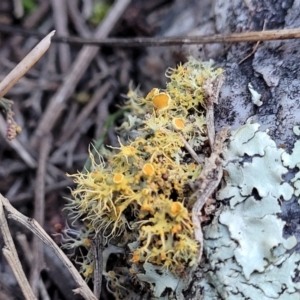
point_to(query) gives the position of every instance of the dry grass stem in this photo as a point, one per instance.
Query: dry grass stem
(22, 239)
(97, 248)
(39, 213)
(61, 25)
(191, 151)
(29, 60)
(254, 48)
(252, 36)
(10, 253)
(37, 230)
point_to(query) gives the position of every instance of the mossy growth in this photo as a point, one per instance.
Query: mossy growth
(100, 10)
(137, 195)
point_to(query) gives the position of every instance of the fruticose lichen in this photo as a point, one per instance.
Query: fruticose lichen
(247, 257)
(137, 196)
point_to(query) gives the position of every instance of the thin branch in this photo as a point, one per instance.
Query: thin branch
(37, 230)
(97, 248)
(191, 151)
(253, 36)
(10, 253)
(22, 239)
(39, 213)
(59, 8)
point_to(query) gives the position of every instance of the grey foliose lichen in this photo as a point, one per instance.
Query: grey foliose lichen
(247, 257)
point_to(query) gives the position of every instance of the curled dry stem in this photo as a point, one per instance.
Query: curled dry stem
(11, 255)
(37, 230)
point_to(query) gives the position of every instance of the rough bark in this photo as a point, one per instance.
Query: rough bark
(273, 71)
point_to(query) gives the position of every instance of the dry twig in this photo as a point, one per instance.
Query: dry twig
(37, 230)
(209, 180)
(252, 36)
(21, 238)
(254, 48)
(10, 253)
(39, 213)
(97, 248)
(29, 60)
(212, 171)
(60, 17)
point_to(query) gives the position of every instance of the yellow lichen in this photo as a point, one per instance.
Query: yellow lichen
(176, 208)
(178, 123)
(152, 93)
(87, 242)
(140, 194)
(148, 169)
(161, 101)
(118, 177)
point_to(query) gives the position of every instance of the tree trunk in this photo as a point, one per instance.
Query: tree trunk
(273, 71)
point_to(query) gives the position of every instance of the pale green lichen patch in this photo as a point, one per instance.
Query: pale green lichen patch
(158, 279)
(265, 175)
(264, 172)
(247, 140)
(247, 256)
(218, 244)
(296, 130)
(257, 235)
